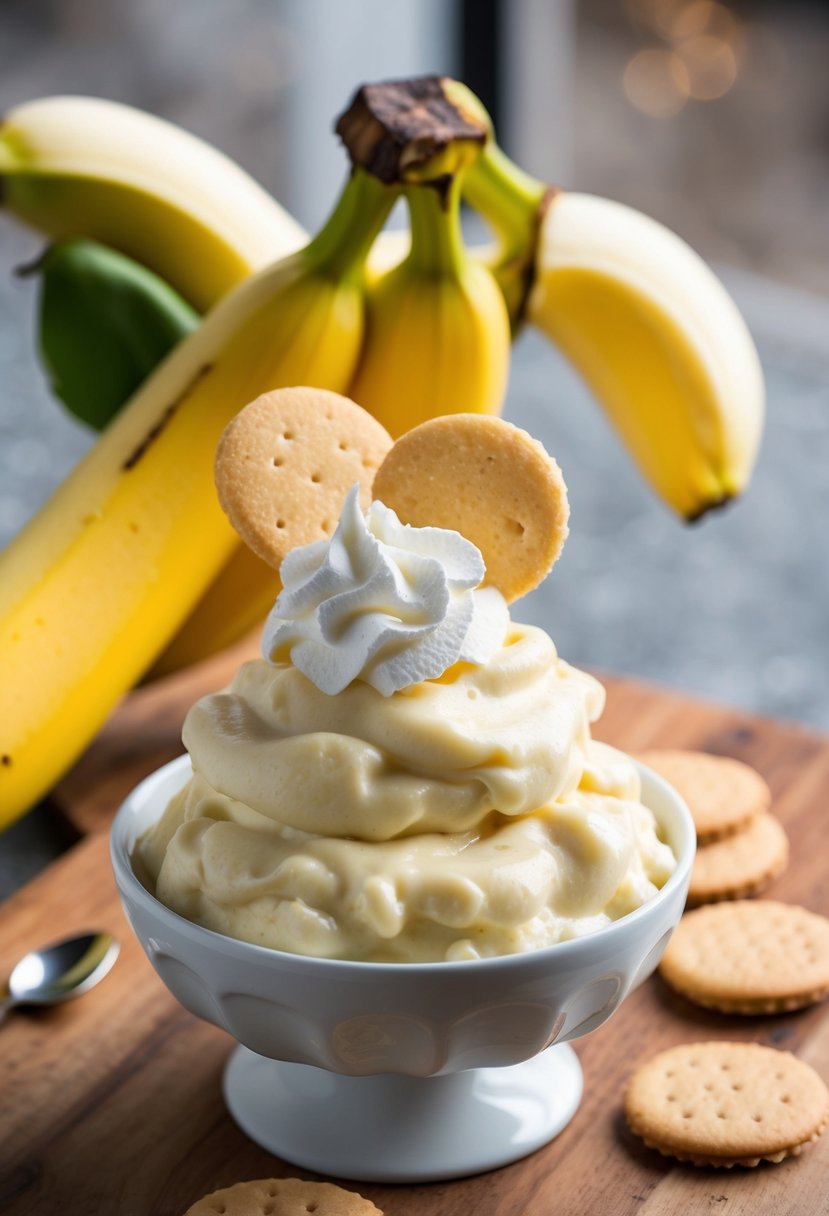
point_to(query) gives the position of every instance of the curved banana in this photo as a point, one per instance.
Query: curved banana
(646, 322)
(659, 340)
(83, 166)
(99, 580)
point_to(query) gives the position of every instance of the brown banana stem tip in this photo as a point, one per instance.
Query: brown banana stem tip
(392, 127)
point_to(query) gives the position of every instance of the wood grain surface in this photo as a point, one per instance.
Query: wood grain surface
(112, 1104)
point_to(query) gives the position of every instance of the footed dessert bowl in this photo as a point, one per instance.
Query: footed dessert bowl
(400, 1072)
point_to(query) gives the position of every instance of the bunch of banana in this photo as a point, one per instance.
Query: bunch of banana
(643, 319)
(118, 559)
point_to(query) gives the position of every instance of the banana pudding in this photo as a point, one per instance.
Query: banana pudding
(406, 775)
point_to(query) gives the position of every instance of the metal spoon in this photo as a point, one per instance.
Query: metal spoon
(60, 971)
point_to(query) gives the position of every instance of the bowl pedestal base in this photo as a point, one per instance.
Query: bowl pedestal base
(391, 1128)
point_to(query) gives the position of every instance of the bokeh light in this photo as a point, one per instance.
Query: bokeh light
(703, 48)
(704, 17)
(711, 66)
(656, 81)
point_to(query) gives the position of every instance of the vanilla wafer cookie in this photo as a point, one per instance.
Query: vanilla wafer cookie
(741, 864)
(286, 462)
(283, 1197)
(488, 480)
(726, 1104)
(750, 957)
(722, 794)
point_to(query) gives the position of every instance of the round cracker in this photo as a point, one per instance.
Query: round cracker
(741, 864)
(722, 794)
(283, 1197)
(749, 957)
(726, 1104)
(488, 480)
(286, 462)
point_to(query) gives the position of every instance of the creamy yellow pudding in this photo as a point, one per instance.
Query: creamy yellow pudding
(462, 815)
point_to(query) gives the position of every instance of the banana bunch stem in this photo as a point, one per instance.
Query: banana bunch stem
(514, 204)
(340, 248)
(437, 242)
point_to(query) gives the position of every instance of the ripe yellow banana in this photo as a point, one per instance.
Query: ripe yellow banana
(646, 322)
(82, 166)
(96, 584)
(437, 329)
(660, 342)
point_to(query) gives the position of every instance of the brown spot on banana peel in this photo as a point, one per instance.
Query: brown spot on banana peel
(393, 127)
(155, 430)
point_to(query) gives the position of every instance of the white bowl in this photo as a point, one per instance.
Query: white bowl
(418, 1071)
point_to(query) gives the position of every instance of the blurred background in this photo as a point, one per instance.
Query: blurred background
(713, 117)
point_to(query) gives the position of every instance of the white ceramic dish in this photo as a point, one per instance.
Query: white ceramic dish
(400, 1072)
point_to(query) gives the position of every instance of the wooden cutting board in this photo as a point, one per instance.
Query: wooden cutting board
(112, 1104)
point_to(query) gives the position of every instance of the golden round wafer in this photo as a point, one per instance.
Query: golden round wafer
(750, 956)
(283, 1197)
(286, 462)
(488, 480)
(726, 1104)
(741, 864)
(722, 794)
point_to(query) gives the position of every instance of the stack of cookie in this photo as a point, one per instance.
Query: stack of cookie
(741, 846)
(726, 1104)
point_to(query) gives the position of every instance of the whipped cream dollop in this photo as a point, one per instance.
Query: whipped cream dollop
(383, 602)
